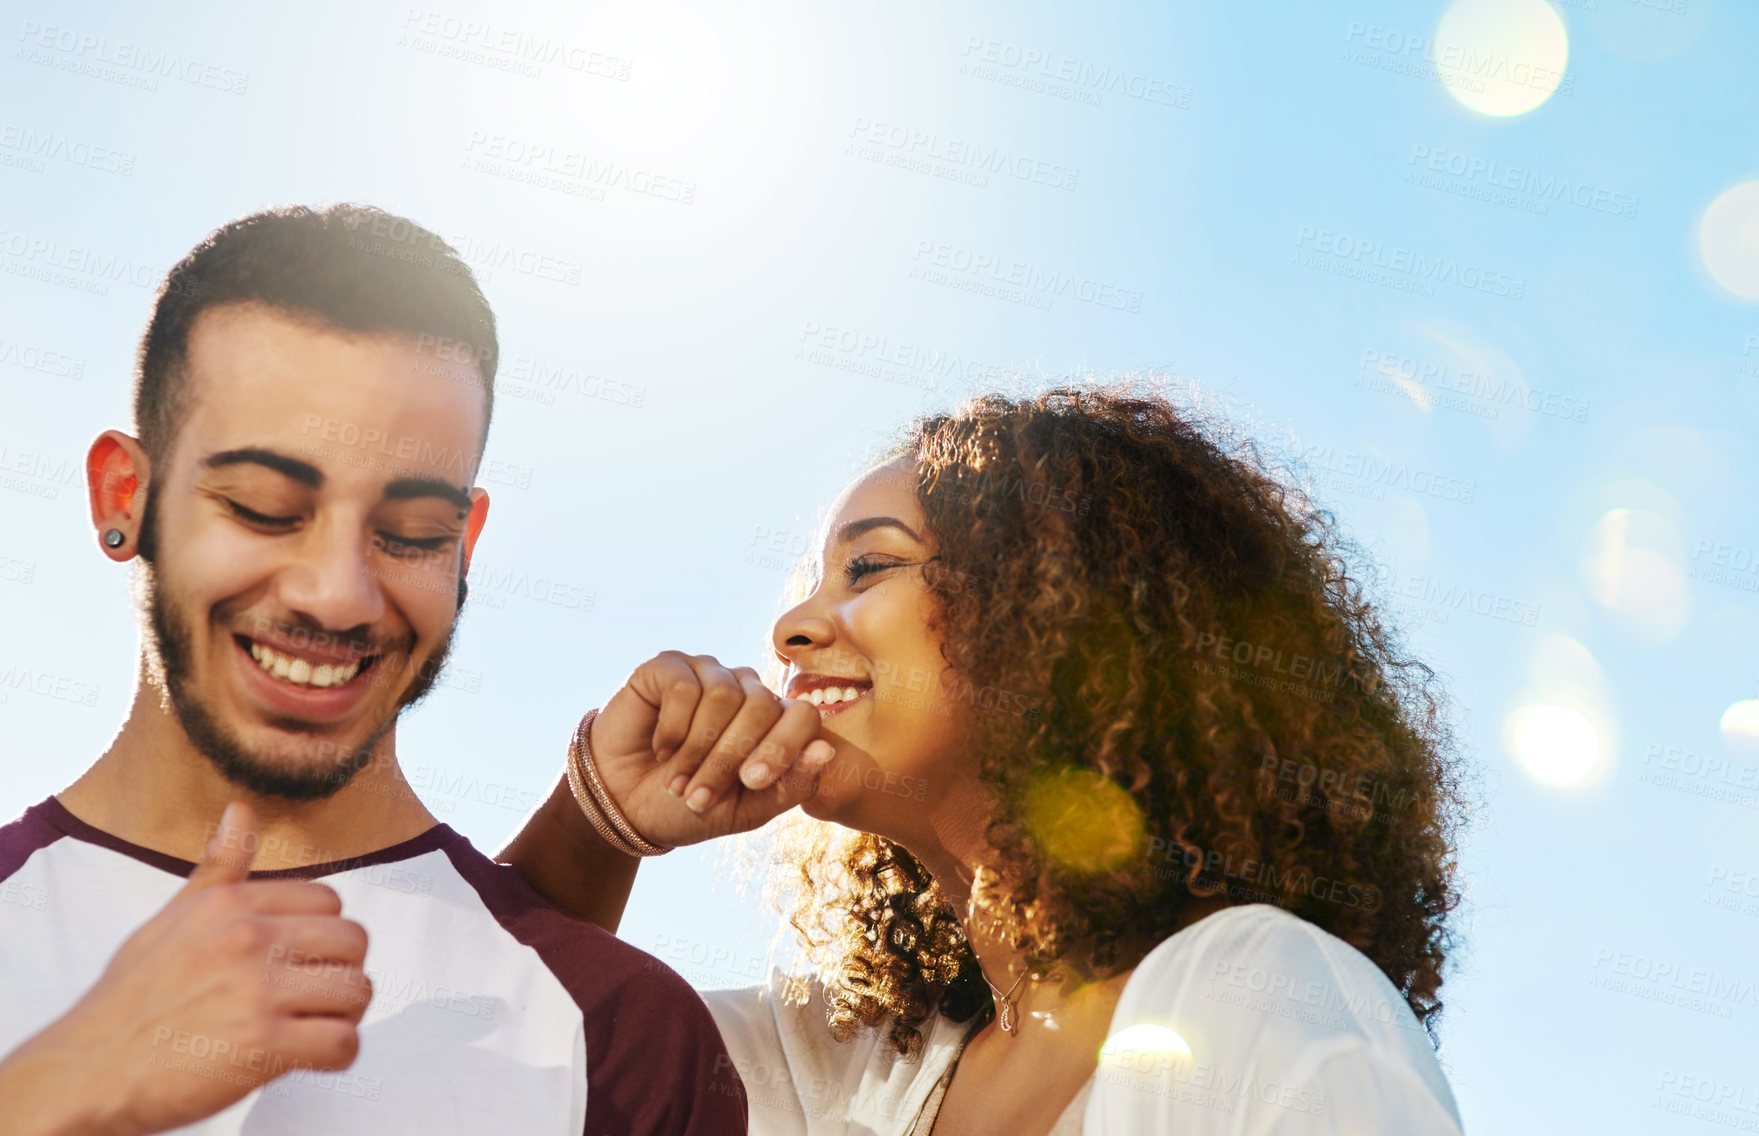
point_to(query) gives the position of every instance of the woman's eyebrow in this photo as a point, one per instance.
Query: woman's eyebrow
(853, 529)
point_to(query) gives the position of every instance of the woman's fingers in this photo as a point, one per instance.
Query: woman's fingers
(668, 681)
(782, 749)
(798, 781)
(737, 741)
(719, 731)
(714, 701)
(782, 771)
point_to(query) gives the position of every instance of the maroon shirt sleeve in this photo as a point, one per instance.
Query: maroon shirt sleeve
(655, 1061)
(21, 838)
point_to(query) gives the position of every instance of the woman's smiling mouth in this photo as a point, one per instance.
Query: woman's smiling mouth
(830, 694)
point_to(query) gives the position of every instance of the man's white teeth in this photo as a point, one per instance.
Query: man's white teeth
(300, 672)
(831, 695)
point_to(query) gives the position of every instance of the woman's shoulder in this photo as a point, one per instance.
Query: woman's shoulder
(1262, 955)
(783, 1019)
(1253, 1007)
(779, 1038)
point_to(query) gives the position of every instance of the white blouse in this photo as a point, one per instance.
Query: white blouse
(1250, 1021)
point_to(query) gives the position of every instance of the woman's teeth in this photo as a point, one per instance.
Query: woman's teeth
(831, 695)
(299, 671)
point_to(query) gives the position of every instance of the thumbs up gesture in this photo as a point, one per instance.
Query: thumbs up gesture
(233, 983)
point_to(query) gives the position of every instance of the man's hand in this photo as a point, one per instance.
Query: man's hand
(230, 985)
(691, 749)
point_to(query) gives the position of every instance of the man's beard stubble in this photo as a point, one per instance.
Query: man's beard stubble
(171, 663)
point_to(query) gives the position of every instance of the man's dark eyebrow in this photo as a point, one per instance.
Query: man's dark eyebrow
(302, 472)
(409, 488)
(403, 489)
(867, 524)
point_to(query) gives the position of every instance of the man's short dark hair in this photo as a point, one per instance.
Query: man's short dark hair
(352, 267)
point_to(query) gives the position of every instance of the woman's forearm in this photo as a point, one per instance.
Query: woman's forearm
(569, 864)
(561, 854)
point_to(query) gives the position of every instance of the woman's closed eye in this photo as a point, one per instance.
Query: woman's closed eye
(862, 567)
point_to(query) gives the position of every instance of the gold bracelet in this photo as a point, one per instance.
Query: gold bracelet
(596, 801)
(590, 809)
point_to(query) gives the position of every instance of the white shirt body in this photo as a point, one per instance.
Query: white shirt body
(1251, 1022)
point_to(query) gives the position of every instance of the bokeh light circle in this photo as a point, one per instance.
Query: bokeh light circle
(1084, 821)
(1740, 726)
(1556, 744)
(1144, 1046)
(1634, 569)
(1728, 239)
(1501, 57)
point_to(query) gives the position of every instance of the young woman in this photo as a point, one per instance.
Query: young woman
(1142, 823)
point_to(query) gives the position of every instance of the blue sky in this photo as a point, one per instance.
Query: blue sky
(734, 247)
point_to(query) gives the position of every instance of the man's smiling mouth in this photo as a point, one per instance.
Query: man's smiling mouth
(298, 671)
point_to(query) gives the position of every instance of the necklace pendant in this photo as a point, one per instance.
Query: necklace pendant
(1005, 1003)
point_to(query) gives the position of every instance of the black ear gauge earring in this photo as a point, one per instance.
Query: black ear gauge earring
(113, 538)
(463, 590)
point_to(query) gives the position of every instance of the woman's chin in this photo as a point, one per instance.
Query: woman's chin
(829, 803)
(838, 799)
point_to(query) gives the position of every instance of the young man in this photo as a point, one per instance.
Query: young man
(313, 397)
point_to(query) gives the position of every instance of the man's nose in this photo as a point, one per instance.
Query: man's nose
(333, 583)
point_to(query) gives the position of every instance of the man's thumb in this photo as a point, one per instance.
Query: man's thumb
(229, 853)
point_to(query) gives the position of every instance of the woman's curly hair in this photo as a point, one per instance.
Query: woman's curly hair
(1188, 695)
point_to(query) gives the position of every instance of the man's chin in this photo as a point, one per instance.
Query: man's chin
(284, 757)
(280, 758)
(303, 777)
(289, 761)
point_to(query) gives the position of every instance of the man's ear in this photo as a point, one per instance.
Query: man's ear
(117, 471)
(473, 526)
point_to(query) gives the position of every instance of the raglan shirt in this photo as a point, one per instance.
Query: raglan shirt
(1250, 1022)
(492, 1012)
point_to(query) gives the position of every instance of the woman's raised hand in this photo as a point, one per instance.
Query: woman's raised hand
(692, 749)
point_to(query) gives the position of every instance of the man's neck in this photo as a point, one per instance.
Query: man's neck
(153, 788)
